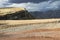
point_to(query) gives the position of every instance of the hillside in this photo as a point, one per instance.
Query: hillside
(14, 14)
(47, 14)
(4, 11)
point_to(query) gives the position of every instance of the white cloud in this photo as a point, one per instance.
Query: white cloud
(2, 2)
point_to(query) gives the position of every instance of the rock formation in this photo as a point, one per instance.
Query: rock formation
(14, 14)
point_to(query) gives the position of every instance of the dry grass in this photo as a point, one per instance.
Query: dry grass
(4, 11)
(16, 23)
(36, 21)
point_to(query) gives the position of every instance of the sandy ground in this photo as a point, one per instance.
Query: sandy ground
(39, 31)
(23, 22)
(41, 35)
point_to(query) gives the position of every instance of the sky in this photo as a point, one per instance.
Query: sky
(32, 5)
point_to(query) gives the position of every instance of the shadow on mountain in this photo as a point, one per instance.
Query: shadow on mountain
(20, 15)
(46, 14)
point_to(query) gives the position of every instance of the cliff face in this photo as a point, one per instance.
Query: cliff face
(14, 14)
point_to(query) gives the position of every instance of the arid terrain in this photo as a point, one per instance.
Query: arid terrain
(9, 10)
(38, 29)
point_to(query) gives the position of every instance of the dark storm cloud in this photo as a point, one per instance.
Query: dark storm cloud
(31, 5)
(20, 1)
(41, 6)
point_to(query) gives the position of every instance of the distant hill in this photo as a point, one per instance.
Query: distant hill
(14, 14)
(46, 14)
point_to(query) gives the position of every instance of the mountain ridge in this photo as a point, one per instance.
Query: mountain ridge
(14, 14)
(46, 15)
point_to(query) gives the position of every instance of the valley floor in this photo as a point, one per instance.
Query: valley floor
(33, 30)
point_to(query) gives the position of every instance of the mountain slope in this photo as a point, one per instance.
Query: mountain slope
(47, 14)
(14, 14)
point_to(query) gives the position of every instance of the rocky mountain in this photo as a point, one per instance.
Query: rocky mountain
(46, 14)
(22, 14)
(14, 14)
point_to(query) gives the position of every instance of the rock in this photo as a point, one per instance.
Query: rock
(14, 14)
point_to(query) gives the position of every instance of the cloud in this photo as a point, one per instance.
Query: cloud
(30, 6)
(22, 1)
(42, 6)
(3, 3)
